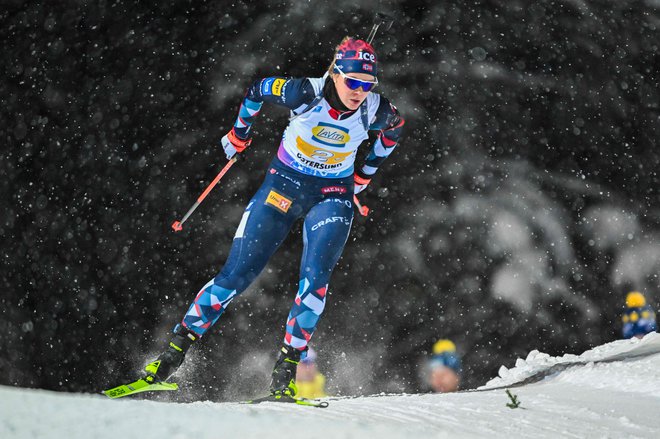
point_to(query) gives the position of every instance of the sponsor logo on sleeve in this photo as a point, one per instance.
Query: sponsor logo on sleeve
(273, 86)
(266, 86)
(276, 89)
(278, 201)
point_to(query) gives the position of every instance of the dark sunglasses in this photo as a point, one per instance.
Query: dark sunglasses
(354, 84)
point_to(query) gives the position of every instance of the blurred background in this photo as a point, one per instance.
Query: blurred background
(520, 207)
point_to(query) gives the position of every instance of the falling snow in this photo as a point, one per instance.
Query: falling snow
(520, 207)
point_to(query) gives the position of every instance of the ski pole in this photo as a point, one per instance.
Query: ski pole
(380, 19)
(386, 21)
(177, 226)
(364, 210)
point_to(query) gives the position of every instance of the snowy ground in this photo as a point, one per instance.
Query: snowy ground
(611, 391)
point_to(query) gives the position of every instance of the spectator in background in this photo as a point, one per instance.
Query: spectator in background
(309, 381)
(638, 318)
(444, 367)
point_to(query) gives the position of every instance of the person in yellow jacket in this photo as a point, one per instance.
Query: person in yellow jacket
(309, 381)
(638, 318)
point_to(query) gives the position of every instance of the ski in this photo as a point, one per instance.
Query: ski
(288, 399)
(138, 386)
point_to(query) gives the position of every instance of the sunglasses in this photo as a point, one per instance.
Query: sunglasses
(354, 84)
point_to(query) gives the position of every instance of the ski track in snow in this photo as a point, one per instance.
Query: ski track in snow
(595, 398)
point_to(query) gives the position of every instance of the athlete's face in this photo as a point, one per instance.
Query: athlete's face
(351, 98)
(444, 380)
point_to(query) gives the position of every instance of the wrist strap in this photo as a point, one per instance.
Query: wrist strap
(360, 180)
(237, 141)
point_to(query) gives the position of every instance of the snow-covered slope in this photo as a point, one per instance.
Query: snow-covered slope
(610, 391)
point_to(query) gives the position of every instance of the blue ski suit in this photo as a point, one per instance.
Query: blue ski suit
(311, 178)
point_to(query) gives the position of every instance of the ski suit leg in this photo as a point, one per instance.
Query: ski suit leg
(265, 224)
(326, 229)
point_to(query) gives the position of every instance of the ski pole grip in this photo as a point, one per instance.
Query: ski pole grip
(380, 19)
(384, 20)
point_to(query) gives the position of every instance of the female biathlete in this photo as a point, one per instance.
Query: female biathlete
(312, 177)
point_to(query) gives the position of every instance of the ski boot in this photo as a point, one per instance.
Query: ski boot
(283, 381)
(170, 360)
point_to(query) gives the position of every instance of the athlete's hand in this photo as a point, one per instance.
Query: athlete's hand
(361, 183)
(232, 144)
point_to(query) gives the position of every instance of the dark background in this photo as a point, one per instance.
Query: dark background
(519, 208)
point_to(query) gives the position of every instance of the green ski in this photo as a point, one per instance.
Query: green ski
(288, 399)
(138, 386)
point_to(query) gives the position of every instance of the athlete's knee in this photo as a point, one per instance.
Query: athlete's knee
(316, 276)
(238, 280)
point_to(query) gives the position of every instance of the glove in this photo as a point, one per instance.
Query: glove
(233, 144)
(361, 183)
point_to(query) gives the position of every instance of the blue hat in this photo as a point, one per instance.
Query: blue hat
(356, 56)
(444, 354)
(638, 318)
